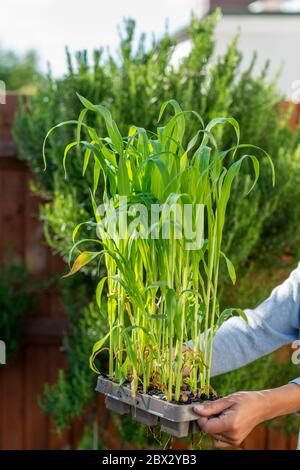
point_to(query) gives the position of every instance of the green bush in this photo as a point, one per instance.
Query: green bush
(19, 73)
(75, 388)
(132, 85)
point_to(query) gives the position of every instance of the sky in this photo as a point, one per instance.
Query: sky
(50, 25)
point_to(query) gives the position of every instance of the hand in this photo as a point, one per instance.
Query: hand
(229, 420)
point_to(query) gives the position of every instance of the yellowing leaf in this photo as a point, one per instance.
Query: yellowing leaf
(84, 258)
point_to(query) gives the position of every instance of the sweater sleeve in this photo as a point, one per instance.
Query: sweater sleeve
(274, 323)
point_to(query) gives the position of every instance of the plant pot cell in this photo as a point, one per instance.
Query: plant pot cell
(117, 406)
(143, 417)
(174, 428)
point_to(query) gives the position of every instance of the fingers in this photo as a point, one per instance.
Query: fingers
(221, 444)
(210, 408)
(214, 425)
(222, 438)
(202, 422)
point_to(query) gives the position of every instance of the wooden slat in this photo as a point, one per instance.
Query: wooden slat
(12, 214)
(12, 164)
(36, 375)
(293, 442)
(36, 252)
(57, 361)
(276, 439)
(257, 439)
(2, 406)
(43, 326)
(8, 149)
(57, 265)
(77, 430)
(12, 406)
(7, 113)
(2, 240)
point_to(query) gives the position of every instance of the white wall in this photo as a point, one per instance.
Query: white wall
(274, 37)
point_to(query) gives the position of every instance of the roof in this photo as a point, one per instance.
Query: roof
(231, 7)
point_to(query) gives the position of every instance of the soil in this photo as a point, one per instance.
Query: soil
(186, 398)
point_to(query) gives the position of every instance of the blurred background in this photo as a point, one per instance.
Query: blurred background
(221, 58)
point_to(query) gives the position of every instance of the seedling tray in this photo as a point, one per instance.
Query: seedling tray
(179, 420)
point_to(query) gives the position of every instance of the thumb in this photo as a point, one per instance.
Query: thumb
(210, 408)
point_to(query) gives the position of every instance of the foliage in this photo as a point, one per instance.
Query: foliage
(59, 216)
(87, 442)
(15, 305)
(162, 276)
(129, 85)
(138, 435)
(75, 388)
(19, 73)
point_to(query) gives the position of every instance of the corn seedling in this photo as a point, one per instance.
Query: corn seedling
(160, 234)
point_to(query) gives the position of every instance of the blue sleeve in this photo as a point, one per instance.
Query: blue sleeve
(274, 323)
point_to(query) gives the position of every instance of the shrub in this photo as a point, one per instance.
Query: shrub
(75, 388)
(132, 86)
(19, 73)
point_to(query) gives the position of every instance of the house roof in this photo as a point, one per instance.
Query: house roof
(230, 7)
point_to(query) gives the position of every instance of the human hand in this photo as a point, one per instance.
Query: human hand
(229, 420)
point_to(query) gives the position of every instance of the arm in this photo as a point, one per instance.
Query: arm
(272, 324)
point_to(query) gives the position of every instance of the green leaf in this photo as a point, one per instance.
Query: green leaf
(61, 124)
(111, 126)
(79, 125)
(228, 313)
(67, 149)
(86, 160)
(97, 170)
(75, 231)
(223, 120)
(99, 290)
(123, 178)
(97, 348)
(230, 268)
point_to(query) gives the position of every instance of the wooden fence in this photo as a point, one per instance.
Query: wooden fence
(22, 424)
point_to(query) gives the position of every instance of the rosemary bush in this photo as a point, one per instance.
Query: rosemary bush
(73, 390)
(139, 76)
(162, 286)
